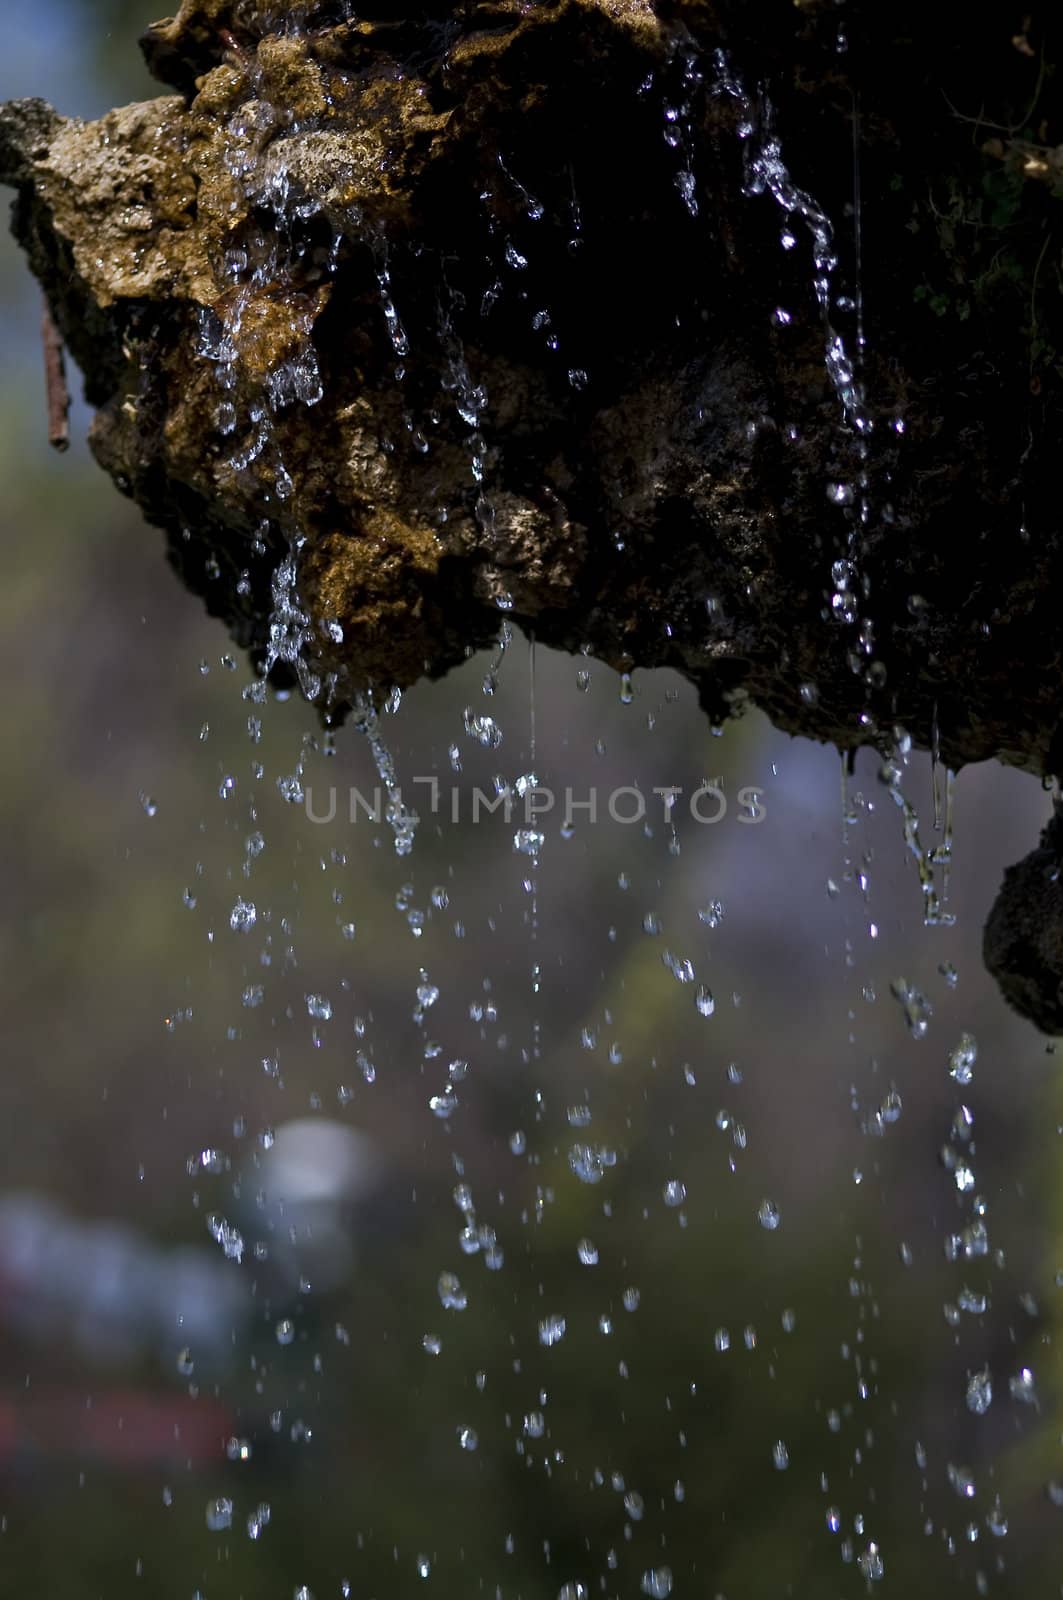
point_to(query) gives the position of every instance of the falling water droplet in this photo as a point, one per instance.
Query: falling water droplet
(704, 1001)
(243, 916)
(980, 1392)
(963, 1058)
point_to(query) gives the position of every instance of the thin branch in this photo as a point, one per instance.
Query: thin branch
(56, 384)
(1000, 127)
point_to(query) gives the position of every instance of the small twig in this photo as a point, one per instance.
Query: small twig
(999, 127)
(233, 45)
(55, 382)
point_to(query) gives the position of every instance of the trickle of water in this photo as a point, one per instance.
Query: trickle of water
(678, 128)
(403, 823)
(933, 913)
(767, 172)
(396, 332)
(471, 403)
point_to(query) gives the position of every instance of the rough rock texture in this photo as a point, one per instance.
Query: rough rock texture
(1022, 942)
(472, 306)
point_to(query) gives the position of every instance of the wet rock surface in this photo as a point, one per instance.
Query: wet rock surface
(676, 333)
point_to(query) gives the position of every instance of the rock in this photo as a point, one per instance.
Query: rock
(484, 312)
(1022, 944)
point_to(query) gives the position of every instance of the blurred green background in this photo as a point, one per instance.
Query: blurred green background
(731, 1409)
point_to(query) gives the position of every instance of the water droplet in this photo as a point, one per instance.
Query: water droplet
(484, 730)
(551, 1331)
(219, 1515)
(451, 1294)
(871, 1564)
(980, 1392)
(675, 1192)
(258, 1521)
(587, 1252)
(768, 1215)
(780, 1456)
(243, 916)
(917, 1008)
(1022, 1386)
(704, 1001)
(995, 1520)
(589, 1162)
